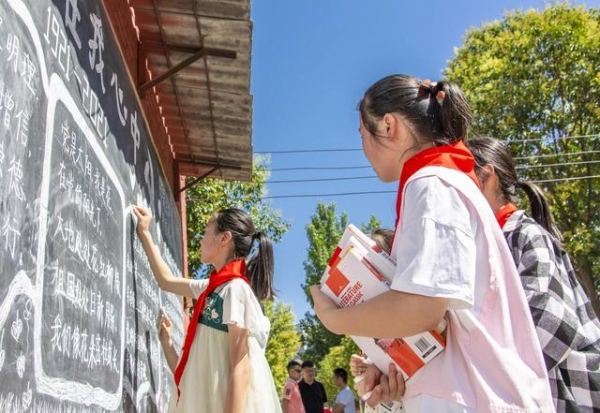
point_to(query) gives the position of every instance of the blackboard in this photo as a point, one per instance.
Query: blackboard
(77, 299)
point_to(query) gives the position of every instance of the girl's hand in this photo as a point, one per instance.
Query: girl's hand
(324, 307)
(164, 327)
(367, 382)
(358, 365)
(390, 387)
(144, 217)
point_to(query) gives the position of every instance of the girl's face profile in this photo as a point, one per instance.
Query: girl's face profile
(209, 245)
(380, 152)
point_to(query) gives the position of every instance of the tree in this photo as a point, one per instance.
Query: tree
(324, 231)
(284, 340)
(533, 79)
(214, 194)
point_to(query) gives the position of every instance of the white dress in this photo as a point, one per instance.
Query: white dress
(205, 379)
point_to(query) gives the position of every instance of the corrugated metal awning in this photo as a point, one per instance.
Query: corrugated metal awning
(206, 104)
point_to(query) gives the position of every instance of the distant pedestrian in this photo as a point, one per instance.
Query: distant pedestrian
(312, 391)
(344, 401)
(291, 401)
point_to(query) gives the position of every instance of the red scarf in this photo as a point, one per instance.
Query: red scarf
(231, 270)
(454, 156)
(505, 212)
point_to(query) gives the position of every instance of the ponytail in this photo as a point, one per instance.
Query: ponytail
(540, 210)
(261, 268)
(490, 151)
(435, 112)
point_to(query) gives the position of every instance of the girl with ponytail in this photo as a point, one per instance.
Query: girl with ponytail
(222, 368)
(451, 263)
(567, 327)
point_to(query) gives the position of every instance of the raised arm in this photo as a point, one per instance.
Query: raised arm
(163, 275)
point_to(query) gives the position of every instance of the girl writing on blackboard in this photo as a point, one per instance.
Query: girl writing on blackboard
(452, 263)
(222, 368)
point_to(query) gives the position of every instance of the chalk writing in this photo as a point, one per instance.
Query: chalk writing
(96, 45)
(56, 38)
(72, 16)
(121, 108)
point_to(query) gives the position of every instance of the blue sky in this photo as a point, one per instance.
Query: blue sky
(312, 60)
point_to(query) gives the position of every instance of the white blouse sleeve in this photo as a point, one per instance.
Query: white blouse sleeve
(241, 307)
(434, 245)
(197, 286)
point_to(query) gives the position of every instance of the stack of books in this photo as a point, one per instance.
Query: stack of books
(358, 271)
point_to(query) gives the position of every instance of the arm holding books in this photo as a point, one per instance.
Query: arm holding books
(391, 314)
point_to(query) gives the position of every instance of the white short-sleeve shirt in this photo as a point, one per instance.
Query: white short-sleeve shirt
(449, 244)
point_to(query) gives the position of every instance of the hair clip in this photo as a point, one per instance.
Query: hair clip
(439, 96)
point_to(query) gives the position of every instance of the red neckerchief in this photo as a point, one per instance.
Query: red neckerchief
(232, 270)
(505, 212)
(454, 156)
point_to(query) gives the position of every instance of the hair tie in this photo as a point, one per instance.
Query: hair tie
(435, 90)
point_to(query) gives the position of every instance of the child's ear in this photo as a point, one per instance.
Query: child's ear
(485, 172)
(226, 236)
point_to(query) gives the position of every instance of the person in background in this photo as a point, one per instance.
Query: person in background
(312, 391)
(344, 401)
(452, 262)
(291, 402)
(383, 237)
(566, 325)
(222, 368)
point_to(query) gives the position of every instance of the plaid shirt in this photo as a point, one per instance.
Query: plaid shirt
(565, 322)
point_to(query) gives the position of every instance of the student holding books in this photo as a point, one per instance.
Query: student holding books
(567, 326)
(451, 258)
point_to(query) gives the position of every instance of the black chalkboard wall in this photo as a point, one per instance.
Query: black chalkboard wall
(77, 299)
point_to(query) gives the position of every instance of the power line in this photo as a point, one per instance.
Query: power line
(322, 179)
(318, 168)
(309, 151)
(576, 178)
(327, 195)
(351, 178)
(530, 158)
(548, 165)
(508, 141)
(555, 154)
(559, 138)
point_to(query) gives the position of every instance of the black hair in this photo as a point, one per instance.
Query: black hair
(383, 237)
(308, 364)
(342, 373)
(260, 267)
(440, 121)
(293, 364)
(490, 151)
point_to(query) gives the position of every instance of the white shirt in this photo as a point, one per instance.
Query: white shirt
(346, 397)
(448, 244)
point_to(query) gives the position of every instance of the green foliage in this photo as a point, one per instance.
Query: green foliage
(371, 226)
(213, 195)
(533, 79)
(324, 231)
(338, 356)
(284, 340)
